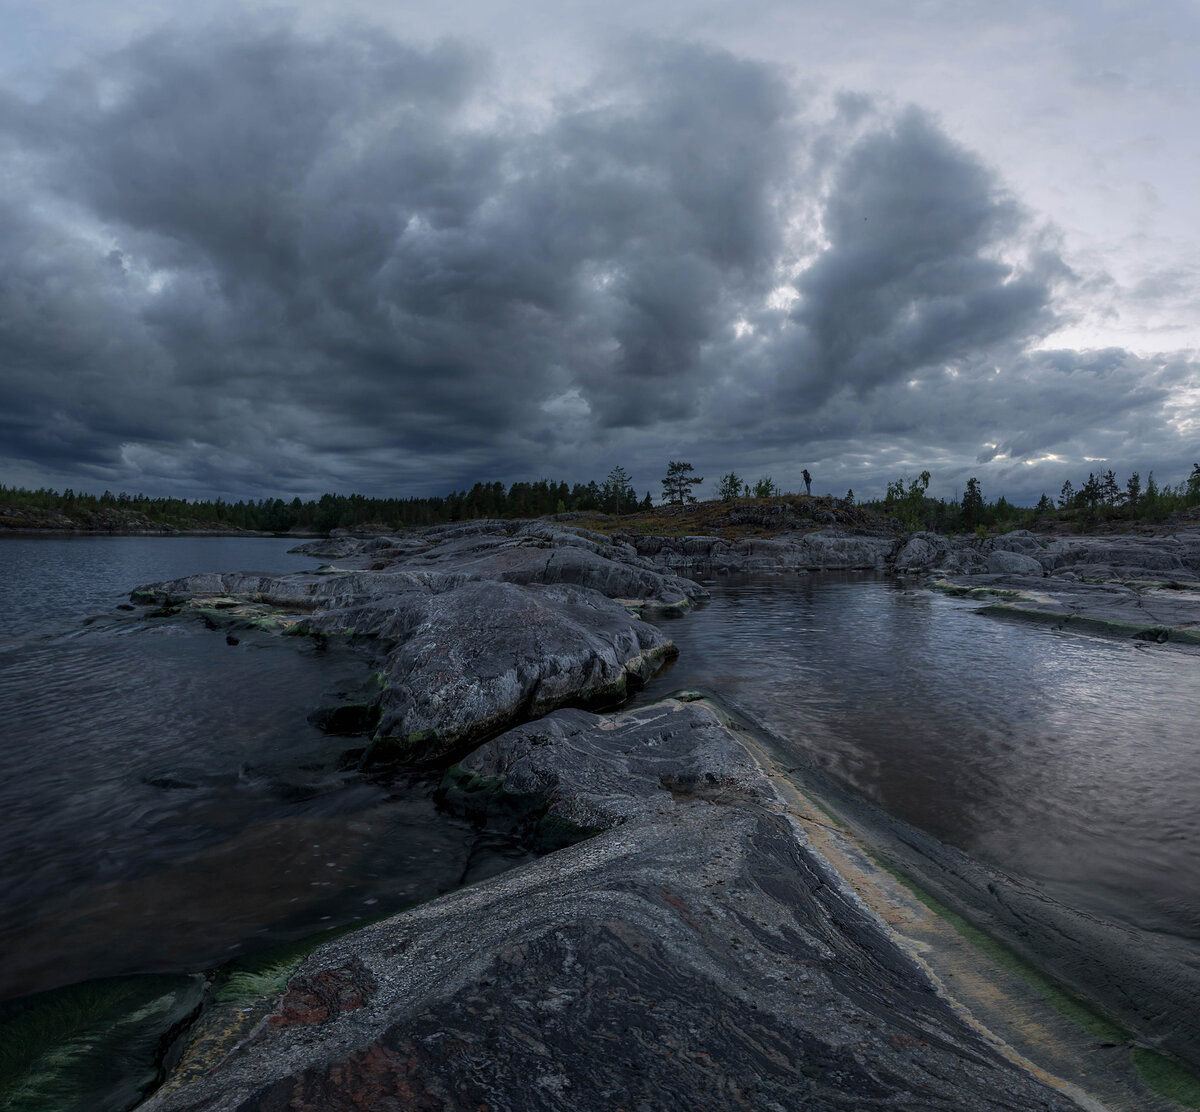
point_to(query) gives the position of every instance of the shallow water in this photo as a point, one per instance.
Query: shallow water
(164, 802)
(1068, 761)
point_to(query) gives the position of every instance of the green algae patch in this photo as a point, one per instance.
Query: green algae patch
(420, 745)
(555, 832)
(1111, 627)
(957, 590)
(1079, 1011)
(1166, 1076)
(485, 800)
(93, 1047)
(267, 972)
(1099, 627)
(247, 991)
(1024, 614)
(245, 984)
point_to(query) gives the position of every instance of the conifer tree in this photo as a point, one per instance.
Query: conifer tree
(972, 504)
(677, 486)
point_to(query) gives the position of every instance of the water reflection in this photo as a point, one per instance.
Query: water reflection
(1066, 760)
(166, 804)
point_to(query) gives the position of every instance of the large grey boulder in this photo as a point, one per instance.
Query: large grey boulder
(926, 552)
(472, 660)
(695, 954)
(1006, 562)
(478, 626)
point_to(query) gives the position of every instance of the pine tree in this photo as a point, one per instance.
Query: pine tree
(730, 488)
(1192, 493)
(677, 486)
(1109, 488)
(1133, 492)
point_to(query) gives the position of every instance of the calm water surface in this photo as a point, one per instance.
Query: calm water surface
(1070, 761)
(164, 802)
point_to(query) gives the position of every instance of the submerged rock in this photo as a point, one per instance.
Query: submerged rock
(696, 954)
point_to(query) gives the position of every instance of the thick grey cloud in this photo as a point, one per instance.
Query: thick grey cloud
(911, 278)
(250, 262)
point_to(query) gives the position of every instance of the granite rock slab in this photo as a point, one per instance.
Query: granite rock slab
(819, 550)
(1173, 558)
(695, 954)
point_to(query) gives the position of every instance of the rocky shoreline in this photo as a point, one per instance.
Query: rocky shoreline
(1120, 585)
(696, 950)
(694, 954)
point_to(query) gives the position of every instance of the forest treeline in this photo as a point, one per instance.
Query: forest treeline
(1099, 498)
(330, 511)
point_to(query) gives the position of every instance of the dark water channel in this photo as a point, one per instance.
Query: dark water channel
(1070, 763)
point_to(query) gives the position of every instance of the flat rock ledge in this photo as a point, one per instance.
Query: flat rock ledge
(697, 953)
(478, 626)
(1145, 588)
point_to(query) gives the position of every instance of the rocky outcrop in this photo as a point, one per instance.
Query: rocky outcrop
(478, 626)
(695, 954)
(474, 659)
(1141, 611)
(1003, 562)
(1174, 558)
(821, 550)
(1147, 588)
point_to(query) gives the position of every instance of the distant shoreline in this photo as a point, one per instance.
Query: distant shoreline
(64, 532)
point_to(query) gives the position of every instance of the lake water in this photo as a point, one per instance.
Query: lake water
(1069, 760)
(165, 803)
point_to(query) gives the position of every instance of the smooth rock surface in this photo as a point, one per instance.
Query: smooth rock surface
(479, 626)
(1004, 562)
(697, 954)
(1140, 610)
(1169, 558)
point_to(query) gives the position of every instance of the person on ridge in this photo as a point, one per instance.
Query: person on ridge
(807, 481)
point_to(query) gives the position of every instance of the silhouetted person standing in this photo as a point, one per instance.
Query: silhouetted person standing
(807, 481)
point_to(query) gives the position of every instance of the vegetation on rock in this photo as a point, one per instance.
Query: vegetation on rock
(1100, 502)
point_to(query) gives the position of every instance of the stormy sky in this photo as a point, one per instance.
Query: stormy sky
(360, 247)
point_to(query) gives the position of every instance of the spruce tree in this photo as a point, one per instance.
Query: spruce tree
(972, 504)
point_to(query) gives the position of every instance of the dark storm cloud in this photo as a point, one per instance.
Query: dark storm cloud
(250, 262)
(911, 277)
